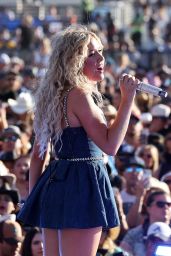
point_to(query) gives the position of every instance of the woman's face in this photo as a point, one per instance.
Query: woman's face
(148, 158)
(37, 245)
(94, 64)
(160, 209)
(21, 168)
(6, 204)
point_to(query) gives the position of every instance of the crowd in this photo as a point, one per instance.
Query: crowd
(140, 173)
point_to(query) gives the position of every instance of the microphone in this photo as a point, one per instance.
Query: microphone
(148, 88)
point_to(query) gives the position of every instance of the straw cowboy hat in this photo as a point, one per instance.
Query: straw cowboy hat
(22, 104)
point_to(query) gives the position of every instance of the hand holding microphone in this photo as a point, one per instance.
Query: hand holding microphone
(147, 88)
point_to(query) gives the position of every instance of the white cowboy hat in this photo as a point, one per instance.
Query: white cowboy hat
(9, 177)
(22, 104)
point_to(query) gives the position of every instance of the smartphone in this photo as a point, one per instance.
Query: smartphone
(163, 250)
(146, 177)
(147, 174)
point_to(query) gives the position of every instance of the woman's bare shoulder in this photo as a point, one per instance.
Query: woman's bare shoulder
(79, 96)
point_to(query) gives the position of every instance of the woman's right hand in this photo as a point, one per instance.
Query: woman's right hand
(128, 85)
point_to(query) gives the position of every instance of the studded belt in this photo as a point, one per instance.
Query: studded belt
(82, 159)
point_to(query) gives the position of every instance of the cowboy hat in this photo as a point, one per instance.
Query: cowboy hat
(22, 104)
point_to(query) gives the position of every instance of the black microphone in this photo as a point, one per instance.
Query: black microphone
(148, 88)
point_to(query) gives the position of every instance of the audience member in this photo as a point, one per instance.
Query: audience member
(11, 145)
(9, 198)
(159, 123)
(10, 238)
(158, 209)
(21, 171)
(33, 243)
(150, 155)
(12, 85)
(158, 233)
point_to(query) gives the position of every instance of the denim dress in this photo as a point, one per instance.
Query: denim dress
(74, 191)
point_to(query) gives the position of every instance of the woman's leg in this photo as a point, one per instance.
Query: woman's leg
(76, 242)
(50, 242)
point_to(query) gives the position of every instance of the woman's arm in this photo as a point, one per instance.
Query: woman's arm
(90, 117)
(37, 165)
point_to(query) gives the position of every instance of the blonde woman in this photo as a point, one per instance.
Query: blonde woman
(150, 154)
(73, 200)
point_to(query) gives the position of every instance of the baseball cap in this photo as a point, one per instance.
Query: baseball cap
(12, 129)
(160, 230)
(135, 161)
(160, 110)
(12, 232)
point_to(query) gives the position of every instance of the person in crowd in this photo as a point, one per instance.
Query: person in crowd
(29, 78)
(157, 209)
(26, 38)
(41, 55)
(160, 114)
(138, 182)
(33, 243)
(9, 198)
(21, 109)
(159, 233)
(11, 145)
(124, 153)
(17, 64)
(21, 171)
(75, 68)
(10, 238)
(133, 174)
(12, 85)
(150, 155)
(156, 139)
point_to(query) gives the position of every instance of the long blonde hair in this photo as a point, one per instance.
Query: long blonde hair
(155, 156)
(65, 70)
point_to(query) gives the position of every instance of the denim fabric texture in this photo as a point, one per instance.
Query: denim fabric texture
(72, 194)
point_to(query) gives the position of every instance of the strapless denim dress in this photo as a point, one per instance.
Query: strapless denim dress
(74, 191)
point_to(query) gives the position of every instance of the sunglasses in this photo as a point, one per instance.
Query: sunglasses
(162, 204)
(11, 138)
(11, 241)
(134, 169)
(146, 155)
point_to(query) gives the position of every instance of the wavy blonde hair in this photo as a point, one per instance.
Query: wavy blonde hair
(65, 70)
